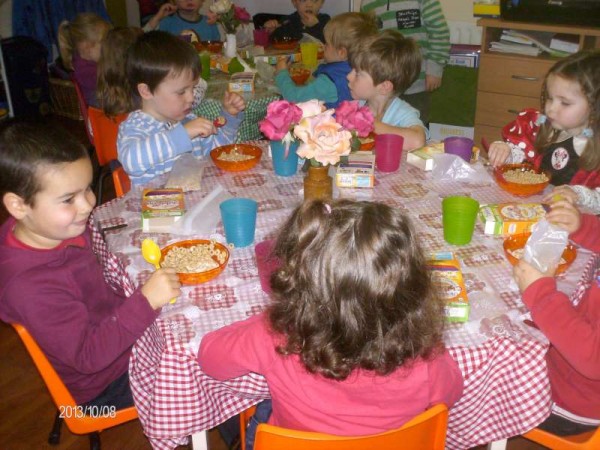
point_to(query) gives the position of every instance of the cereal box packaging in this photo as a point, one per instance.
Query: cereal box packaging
(510, 218)
(161, 208)
(357, 172)
(448, 279)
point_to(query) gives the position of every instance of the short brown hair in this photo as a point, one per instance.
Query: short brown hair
(24, 147)
(353, 290)
(389, 56)
(349, 29)
(156, 55)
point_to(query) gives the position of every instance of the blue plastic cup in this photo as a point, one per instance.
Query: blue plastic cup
(239, 220)
(284, 166)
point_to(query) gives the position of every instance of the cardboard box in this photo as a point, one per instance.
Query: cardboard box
(423, 157)
(440, 131)
(510, 218)
(242, 82)
(161, 208)
(358, 172)
(448, 279)
(486, 9)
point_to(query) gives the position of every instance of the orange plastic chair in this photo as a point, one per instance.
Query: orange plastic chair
(83, 108)
(427, 431)
(121, 181)
(105, 131)
(585, 441)
(64, 400)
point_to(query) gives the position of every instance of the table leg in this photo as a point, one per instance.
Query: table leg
(199, 441)
(496, 445)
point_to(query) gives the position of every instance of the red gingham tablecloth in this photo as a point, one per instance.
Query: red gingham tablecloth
(502, 359)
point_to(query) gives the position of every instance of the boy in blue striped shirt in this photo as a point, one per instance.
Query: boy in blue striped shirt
(163, 71)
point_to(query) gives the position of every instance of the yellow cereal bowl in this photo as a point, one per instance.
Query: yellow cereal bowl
(236, 166)
(519, 189)
(198, 277)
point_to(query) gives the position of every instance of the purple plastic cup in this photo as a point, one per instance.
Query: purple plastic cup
(261, 37)
(388, 151)
(266, 263)
(460, 146)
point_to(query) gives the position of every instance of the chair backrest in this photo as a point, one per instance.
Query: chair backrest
(83, 107)
(121, 181)
(427, 431)
(62, 397)
(584, 441)
(105, 130)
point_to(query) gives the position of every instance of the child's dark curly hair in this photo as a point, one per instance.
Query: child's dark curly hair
(353, 290)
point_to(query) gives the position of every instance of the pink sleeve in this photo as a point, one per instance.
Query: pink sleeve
(446, 380)
(575, 335)
(237, 349)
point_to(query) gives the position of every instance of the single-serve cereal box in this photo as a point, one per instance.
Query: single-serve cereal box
(357, 172)
(448, 279)
(423, 157)
(161, 208)
(510, 218)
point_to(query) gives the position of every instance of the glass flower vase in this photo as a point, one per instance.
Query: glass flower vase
(318, 185)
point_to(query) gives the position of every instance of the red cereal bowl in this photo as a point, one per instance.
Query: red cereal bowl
(299, 75)
(514, 245)
(212, 46)
(198, 277)
(520, 189)
(236, 166)
(285, 43)
(368, 142)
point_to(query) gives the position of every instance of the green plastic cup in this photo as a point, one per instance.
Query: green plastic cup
(205, 63)
(458, 217)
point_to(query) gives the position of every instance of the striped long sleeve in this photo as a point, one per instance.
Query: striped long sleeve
(147, 147)
(423, 21)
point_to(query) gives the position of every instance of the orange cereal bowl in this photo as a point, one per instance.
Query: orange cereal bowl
(368, 142)
(217, 155)
(201, 276)
(514, 245)
(212, 46)
(285, 43)
(299, 75)
(520, 189)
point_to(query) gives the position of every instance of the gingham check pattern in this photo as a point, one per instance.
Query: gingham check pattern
(502, 359)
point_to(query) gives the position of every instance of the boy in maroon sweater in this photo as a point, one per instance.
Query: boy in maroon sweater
(51, 281)
(573, 330)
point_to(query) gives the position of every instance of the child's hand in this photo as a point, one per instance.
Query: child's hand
(211, 17)
(271, 25)
(565, 215)
(282, 64)
(525, 274)
(498, 153)
(233, 103)
(166, 10)
(162, 286)
(309, 19)
(200, 127)
(561, 193)
(432, 82)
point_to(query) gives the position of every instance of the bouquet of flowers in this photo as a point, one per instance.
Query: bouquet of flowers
(228, 15)
(325, 135)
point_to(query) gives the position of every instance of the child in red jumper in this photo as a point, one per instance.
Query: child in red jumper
(51, 281)
(572, 329)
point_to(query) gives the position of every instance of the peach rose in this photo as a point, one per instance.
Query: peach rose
(311, 108)
(323, 139)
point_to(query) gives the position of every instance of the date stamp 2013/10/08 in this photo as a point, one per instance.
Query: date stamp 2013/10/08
(80, 411)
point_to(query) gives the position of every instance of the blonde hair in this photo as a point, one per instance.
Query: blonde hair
(113, 91)
(388, 56)
(349, 29)
(86, 27)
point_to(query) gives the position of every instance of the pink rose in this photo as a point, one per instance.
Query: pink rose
(355, 118)
(323, 139)
(241, 14)
(281, 115)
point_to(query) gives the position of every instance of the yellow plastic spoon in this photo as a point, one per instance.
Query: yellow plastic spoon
(151, 253)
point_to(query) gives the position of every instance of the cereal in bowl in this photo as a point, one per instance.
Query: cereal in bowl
(194, 259)
(234, 155)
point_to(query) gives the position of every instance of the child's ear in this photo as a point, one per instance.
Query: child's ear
(15, 205)
(343, 53)
(144, 91)
(385, 87)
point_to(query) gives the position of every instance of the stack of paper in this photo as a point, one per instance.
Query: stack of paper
(530, 43)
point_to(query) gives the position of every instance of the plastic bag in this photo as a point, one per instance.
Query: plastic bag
(545, 246)
(186, 173)
(447, 167)
(203, 218)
